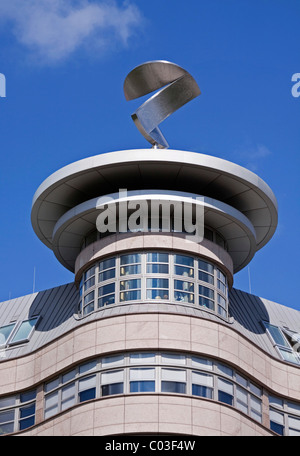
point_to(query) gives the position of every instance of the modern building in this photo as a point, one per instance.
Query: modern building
(151, 337)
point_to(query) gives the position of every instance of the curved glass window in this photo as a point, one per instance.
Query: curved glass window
(154, 276)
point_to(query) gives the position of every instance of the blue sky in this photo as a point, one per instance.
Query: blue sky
(65, 62)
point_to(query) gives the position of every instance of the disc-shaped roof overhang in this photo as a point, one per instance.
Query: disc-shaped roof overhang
(140, 169)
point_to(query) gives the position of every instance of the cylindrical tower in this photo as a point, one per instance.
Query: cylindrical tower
(159, 286)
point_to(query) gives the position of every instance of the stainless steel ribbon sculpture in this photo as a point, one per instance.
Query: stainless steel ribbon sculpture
(179, 87)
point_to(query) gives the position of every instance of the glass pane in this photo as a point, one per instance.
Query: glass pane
(225, 370)
(241, 380)
(131, 258)
(203, 391)
(132, 269)
(202, 363)
(51, 385)
(157, 294)
(115, 388)
(221, 276)
(89, 297)
(106, 289)
(184, 260)
(158, 268)
(273, 400)
(115, 376)
(294, 423)
(27, 411)
(208, 292)
(6, 416)
(87, 367)
(107, 275)
(6, 428)
(7, 401)
(183, 285)
(289, 356)
(130, 295)
(28, 396)
(142, 386)
(68, 396)
(87, 383)
(24, 424)
(89, 273)
(89, 308)
(5, 332)
(174, 375)
(206, 277)
(276, 427)
(276, 334)
(51, 404)
(89, 283)
(86, 395)
(157, 257)
(113, 360)
(184, 271)
(170, 358)
(157, 283)
(172, 387)
(130, 284)
(222, 287)
(106, 300)
(204, 266)
(205, 302)
(293, 407)
(184, 297)
(202, 379)
(142, 358)
(106, 264)
(24, 330)
(142, 374)
(69, 376)
(225, 397)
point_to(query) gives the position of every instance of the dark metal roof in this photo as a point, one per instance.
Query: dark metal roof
(57, 310)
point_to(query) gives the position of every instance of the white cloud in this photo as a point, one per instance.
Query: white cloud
(253, 155)
(54, 29)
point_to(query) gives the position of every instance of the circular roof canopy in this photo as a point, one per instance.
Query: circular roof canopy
(78, 222)
(144, 169)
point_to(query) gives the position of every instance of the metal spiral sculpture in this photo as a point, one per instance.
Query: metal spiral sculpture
(177, 88)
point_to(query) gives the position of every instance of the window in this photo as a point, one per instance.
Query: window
(106, 295)
(88, 303)
(225, 391)
(157, 263)
(89, 278)
(277, 422)
(5, 332)
(206, 297)
(184, 291)
(142, 380)
(87, 388)
(157, 288)
(112, 382)
(17, 412)
(202, 384)
(173, 381)
(206, 272)
(130, 290)
(183, 265)
(130, 264)
(281, 343)
(24, 331)
(107, 269)
(154, 276)
(17, 333)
